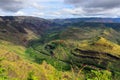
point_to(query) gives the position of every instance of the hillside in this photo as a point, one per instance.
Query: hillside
(38, 49)
(20, 30)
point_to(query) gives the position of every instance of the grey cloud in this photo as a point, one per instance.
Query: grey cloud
(96, 7)
(11, 5)
(95, 3)
(16, 5)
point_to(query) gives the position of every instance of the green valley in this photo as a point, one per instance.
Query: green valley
(33, 48)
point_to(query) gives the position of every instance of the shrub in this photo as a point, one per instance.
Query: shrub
(99, 75)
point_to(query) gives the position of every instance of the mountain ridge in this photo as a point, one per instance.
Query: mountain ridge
(59, 49)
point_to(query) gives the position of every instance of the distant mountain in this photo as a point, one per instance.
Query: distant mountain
(101, 20)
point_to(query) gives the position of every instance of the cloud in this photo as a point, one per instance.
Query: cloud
(11, 5)
(72, 11)
(38, 14)
(16, 5)
(20, 13)
(60, 8)
(2, 13)
(106, 4)
(96, 7)
(37, 6)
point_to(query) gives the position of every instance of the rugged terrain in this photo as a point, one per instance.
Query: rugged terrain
(33, 48)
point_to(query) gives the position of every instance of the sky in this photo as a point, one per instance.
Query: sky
(50, 9)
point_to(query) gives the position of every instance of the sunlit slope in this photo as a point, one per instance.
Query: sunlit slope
(98, 52)
(15, 65)
(86, 33)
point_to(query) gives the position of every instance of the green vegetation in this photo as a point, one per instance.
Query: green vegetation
(31, 76)
(99, 75)
(32, 49)
(3, 74)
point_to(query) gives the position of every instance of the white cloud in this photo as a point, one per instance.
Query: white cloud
(20, 13)
(38, 14)
(2, 13)
(68, 11)
(37, 6)
(74, 11)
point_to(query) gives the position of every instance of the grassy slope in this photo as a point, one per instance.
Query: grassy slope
(18, 67)
(97, 48)
(15, 60)
(58, 53)
(62, 49)
(78, 53)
